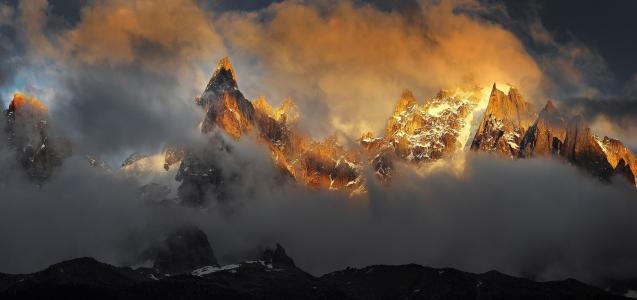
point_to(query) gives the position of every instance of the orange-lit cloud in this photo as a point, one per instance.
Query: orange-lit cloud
(358, 59)
(344, 63)
(142, 31)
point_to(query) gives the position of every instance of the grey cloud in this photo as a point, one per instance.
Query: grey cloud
(114, 109)
(8, 59)
(615, 117)
(622, 110)
(537, 218)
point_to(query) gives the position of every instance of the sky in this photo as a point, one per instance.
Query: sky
(120, 76)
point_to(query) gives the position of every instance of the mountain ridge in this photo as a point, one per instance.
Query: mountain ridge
(417, 134)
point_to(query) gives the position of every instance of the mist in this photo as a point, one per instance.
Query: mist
(541, 219)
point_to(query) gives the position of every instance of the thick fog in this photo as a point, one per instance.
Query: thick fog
(537, 218)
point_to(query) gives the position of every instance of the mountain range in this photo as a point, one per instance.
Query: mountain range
(417, 134)
(442, 127)
(186, 268)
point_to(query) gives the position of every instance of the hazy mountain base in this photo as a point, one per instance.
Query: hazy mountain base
(87, 278)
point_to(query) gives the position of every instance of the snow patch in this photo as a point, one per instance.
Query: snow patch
(601, 144)
(212, 269)
(437, 110)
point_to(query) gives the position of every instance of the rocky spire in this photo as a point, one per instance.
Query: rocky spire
(616, 153)
(583, 149)
(225, 65)
(546, 135)
(406, 101)
(509, 106)
(223, 80)
(27, 132)
(278, 257)
(503, 124)
(549, 107)
(224, 104)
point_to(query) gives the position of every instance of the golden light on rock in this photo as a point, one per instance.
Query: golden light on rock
(20, 101)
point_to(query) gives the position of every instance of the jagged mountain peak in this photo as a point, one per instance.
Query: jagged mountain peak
(584, 149)
(20, 101)
(549, 107)
(223, 79)
(27, 131)
(262, 105)
(287, 112)
(550, 117)
(510, 106)
(616, 153)
(504, 123)
(495, 91)
(225, 64)
(406, 101)
(443, 94)
(547, 134)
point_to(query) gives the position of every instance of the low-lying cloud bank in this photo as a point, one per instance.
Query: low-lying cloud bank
(536, 218)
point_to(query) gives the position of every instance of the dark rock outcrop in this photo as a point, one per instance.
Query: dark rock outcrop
(278, 257)
(27, 131)
(182, 251)
(201, 179)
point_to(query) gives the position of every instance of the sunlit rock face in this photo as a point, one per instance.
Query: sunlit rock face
(27, 131)
(620, 158)
(504, 124)
(547, 134)
(431, 131)
(316, 164)
(415, 133)
(224, 104)
(583, 149)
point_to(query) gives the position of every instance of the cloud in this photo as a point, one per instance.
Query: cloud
(7, 44)
(122, 77)
(122, 109)
(615, 117)
(32, 21)
(7, 13)
(573, 68)
(156, 36)
(348, 63)
(632, 87)
(537, 218)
